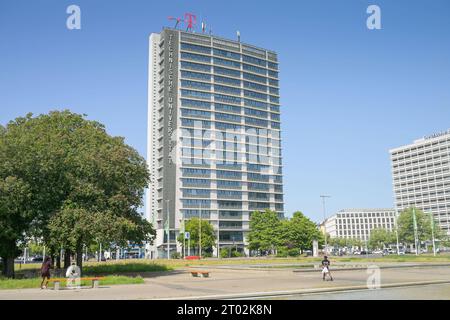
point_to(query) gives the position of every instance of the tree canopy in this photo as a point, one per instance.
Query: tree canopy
(67, 166)
(208, 235)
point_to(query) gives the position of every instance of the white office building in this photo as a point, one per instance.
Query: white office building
(214, 139)
(358, 223)
(421, 176)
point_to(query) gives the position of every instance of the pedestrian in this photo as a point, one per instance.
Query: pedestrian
(326, 268)
(45, 271)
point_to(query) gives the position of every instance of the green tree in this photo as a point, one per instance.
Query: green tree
(208, 235)
(380, 238)
(71, 165)
(265, 231)
(15, 218)
(405, 224)
(299, 232)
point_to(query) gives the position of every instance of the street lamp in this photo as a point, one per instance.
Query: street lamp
(200, 230)
(324, 221)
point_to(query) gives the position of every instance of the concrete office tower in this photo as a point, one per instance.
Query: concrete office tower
(214, 145)
(421, 176)
(358, 223)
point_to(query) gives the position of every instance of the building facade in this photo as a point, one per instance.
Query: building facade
(358, 223)
(421, 177)
(214, 139)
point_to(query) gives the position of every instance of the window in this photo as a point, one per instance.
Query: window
(256, 95)
(195, 94)
(196, 57)
(195, 75)
(229, 174)
(225, 80)
(227, 54)
(273, 74)
(254, 86)
(256, 122)
(227, 63)
(252, 77)
(228, 184)
(227, 72)
(196, 192)
(273, 82)
(197, 172)
(254, 69)
(195, 66)
(225, 89)
(227, 126)
(195, 104)
(193, 47)
(195, 85)
(228, 99)
(254, 60)
(272, 65)
(227, 108)
(195, 113)
(256, 113)
(227, 117)
(258, 186)
(256, 104)
(274, 99)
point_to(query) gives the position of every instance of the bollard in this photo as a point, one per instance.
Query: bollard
(56, 285)
(95, 284)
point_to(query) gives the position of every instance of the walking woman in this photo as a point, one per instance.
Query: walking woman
(45, 272)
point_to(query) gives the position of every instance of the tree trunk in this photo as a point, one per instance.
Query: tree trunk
(67, 254)
(80, 258)
(58, 261)
(8, 267)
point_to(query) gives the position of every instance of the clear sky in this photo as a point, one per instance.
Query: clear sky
(348, 93)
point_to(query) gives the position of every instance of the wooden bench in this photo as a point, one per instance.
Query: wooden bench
(57, 281)
(204, 274)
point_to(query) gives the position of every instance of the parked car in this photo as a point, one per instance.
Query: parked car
(378, 252)
(356, 252)
(401, 252)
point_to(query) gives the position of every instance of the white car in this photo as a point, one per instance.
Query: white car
(378, 252)
(356, 252)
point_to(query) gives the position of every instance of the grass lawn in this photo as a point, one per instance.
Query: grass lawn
(36, 282)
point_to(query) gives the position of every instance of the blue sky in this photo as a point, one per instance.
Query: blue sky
(348, 94)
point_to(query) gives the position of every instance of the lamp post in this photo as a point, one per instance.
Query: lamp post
(168, 230)
(200, 230)
(324, 221)
(416, 238)
(396, 232)
(432, 233)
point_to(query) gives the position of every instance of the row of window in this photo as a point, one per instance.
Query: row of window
(228, 54)
(234, 73)
(224, 107)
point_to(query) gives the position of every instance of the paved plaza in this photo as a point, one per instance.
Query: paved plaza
(249, 283)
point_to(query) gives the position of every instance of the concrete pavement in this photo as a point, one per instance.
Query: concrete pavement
(231, 283)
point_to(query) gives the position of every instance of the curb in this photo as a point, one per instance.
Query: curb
(381, 267)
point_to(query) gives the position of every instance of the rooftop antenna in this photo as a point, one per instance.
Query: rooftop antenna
(238, 36)
(177, 19)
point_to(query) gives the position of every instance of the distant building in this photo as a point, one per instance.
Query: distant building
(421, 176)
(358, 223)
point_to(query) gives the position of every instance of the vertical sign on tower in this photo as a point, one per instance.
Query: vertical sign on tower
(170, 122)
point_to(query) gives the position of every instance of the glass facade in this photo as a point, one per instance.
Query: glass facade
(229, 137)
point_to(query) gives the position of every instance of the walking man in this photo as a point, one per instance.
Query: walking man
(326, 268)
(45, 272)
